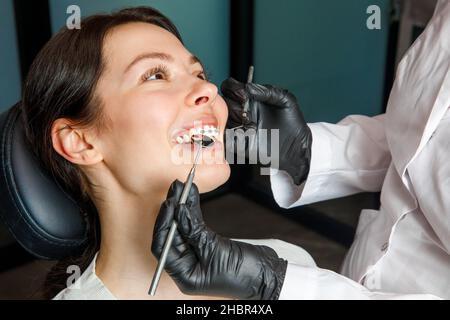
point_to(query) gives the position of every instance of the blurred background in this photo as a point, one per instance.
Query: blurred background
(321, 50)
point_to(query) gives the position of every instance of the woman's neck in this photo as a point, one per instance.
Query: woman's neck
(125, 263)
(125, 260)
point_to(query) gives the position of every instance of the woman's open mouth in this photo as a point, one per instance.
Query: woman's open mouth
(188, 138)
(200, 130)
(208, 132)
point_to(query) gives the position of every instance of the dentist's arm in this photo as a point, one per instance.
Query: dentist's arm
(202, 262)
(312, 283)
(346, 158)
(329, 160)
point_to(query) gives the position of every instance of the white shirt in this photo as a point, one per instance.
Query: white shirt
(402, 250)
(90, 287)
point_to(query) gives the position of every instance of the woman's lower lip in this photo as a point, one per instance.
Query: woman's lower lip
(193, 146)
(189, 147)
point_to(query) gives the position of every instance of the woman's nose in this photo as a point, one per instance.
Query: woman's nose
(202, 93)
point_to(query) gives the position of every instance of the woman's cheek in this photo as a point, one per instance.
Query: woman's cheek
(155, 113)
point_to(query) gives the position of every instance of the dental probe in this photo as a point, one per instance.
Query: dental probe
(203, 143)
(251, 70)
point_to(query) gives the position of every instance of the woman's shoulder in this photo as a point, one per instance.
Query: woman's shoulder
(87, 287)
(288, 251)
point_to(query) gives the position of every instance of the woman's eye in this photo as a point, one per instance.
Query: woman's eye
(159, 73)
(202, 76)
(156, 76)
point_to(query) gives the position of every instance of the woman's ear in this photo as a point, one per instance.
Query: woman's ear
(73, 143)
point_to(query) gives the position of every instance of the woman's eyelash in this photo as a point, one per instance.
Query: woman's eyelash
(164, 72)
(161, 70)
(203, 75)
(207, 74)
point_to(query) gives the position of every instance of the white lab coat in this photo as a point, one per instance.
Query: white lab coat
(402, 250)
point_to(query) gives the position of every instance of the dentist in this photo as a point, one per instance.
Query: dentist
(402, 250)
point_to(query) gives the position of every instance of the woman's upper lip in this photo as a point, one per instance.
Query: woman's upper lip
(204, 121)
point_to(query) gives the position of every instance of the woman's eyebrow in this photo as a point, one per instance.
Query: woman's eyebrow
(150, 55)
(195, 59)
(160, 56)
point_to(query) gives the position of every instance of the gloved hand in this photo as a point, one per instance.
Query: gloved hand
(272, 108)
(201, 262)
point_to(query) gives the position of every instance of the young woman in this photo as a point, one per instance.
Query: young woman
(105, 109)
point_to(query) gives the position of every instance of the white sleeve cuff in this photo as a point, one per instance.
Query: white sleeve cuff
(285, 192)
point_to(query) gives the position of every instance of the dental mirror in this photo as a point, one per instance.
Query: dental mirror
(204, 140)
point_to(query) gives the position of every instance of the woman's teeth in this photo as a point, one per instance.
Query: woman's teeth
(197, 133)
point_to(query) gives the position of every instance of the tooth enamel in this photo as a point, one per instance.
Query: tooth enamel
(196, 133)
(180, 140)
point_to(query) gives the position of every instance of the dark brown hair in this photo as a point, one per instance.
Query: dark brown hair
(61, 84)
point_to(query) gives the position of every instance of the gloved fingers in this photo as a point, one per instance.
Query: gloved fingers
(298, 160)
(271, 95)
(161, 228)
(234, 113)
(235, 96)
(160, 236)
(175, 190)
(165, 218)
(166, 212)
(193, 199)
(234, 90)
(189, 215)
(193, 230)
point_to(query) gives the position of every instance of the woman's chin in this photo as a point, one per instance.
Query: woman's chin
(210, 177)
(212, 168)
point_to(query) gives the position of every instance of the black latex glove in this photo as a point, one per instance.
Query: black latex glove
(201, 262)
(272, 108)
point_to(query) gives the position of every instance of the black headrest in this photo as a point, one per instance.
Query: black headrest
(40, 215)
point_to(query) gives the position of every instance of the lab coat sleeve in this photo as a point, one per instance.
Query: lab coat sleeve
(346, 158)
(313, 283)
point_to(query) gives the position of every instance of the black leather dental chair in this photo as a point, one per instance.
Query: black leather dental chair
(43, 219)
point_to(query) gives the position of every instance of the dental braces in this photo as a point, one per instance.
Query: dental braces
(196, 134)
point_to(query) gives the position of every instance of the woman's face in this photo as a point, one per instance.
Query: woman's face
(153, 90)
